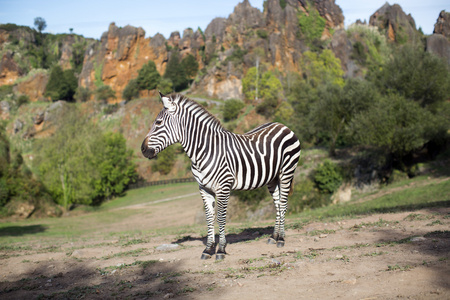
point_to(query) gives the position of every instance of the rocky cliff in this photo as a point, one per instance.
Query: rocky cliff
(226, 49)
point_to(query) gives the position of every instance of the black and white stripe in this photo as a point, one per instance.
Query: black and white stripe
(223, 161)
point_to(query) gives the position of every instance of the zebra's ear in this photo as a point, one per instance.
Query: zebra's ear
(167, 101)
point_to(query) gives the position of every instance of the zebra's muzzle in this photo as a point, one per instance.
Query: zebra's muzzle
(146, 151)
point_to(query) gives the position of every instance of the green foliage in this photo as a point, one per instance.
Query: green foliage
(81, 165)
(283, 4)
(321, 68)
(327, 177)
(16, 180)
(61, 84)
(165, 86)
(265, 86)
(82, 94)
(190, 66)
(415, 74)
(306, 196)
(148, 77)
(104, 92)
(336, 106)
(176, 72)
(231, 109)
(114, 163)
(165, 161)
(237, 56)
(131, 91)
(311, 24)
(40, 23)
(252, 197)
(262, 33)
(394, 124)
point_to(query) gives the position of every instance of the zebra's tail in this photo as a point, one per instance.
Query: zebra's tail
(291, 189)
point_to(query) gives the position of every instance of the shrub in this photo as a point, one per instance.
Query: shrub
(165, 161)
(148, 77)
(327, 177)
(231, 109)
(131, 91)
(104, 92)
(165, 86)
(61, 84)
(176, 72)
(252, 197)
(82, 94)
(306, 196)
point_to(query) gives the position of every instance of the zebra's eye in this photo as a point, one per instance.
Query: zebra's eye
(158, 122)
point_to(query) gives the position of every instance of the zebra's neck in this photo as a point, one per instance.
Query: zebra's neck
(199, 129)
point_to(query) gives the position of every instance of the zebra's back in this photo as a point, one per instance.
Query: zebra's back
(260, 155)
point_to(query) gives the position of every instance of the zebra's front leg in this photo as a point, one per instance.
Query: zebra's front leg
(208, 201)
(222, 202)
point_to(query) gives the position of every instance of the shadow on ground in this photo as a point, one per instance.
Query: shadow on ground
(21, 230)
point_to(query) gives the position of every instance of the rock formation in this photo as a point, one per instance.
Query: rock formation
(439, 42)
(398, 26)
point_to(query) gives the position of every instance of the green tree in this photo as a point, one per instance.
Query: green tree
(61, 85)
(165, 161)
(327, 177)
(148, 77)
(336, 106)
(40, 24)
(393, 124)
(176, 72)
(66, 161)
(190, 66)
(131, 91)
(114, 163)
(79, 164)
(322, 68)
(266, 85)
(415, 74)
(231, 109)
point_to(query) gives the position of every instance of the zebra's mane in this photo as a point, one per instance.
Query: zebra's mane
(182, 99)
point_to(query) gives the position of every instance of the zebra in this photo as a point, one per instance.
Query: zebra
(222, 161)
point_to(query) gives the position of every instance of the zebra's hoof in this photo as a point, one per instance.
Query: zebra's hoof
(220, 256)
(206, 256)
(271, 241)
(280, 244)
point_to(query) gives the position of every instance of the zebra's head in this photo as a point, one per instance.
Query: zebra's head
(164, 131)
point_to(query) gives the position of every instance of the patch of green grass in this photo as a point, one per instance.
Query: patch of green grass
(415, 198)
(399, 268)
(132, 253)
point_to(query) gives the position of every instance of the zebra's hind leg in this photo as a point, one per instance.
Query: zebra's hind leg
(208, 201)
(279, 190)
(274, 189)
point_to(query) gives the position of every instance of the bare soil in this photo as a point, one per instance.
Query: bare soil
(382, 256)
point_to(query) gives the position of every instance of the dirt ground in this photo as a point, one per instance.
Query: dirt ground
(383, 256)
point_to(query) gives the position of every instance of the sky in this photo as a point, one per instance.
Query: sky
(91, 18)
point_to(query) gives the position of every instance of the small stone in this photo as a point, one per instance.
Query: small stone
(339, 256)
(351, 281)
(167, 247)
(418, 239)
(323, 235)
(316, 239)
(276, 261)
(113, 271)
(169, 295)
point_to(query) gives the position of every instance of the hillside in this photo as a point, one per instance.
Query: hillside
(371, 100)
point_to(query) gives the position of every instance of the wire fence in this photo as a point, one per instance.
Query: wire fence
(142, 184)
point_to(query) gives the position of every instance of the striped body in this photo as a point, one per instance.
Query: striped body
(223, 161)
